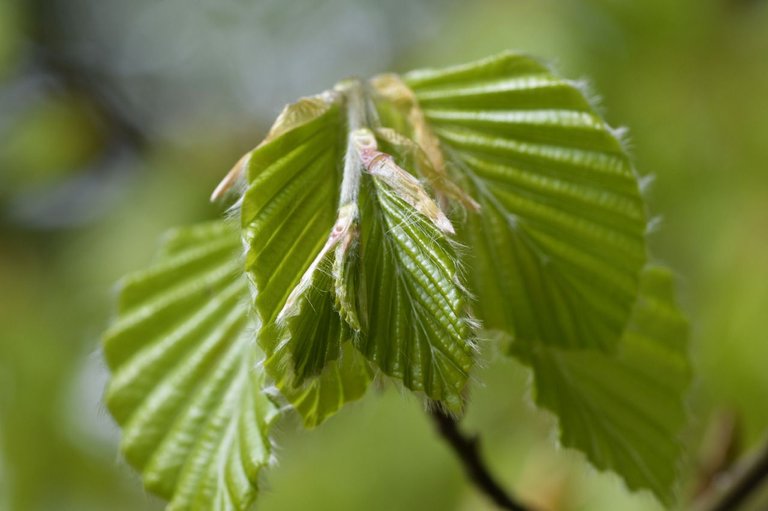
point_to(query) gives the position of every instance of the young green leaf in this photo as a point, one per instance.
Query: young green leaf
(418, 327)
(315, 366)
(185, 387)
(288, 211)
(625, 410)
(311, 283)
(290, 202)
(558, 244)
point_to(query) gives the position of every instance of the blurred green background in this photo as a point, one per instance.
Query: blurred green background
(118, 118)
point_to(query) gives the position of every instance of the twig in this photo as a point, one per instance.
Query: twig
(743, 484)
(468, 452)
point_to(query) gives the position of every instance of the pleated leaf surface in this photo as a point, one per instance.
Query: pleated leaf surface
(185, 386)
(558, 244)
(289, 206)
(625, 410)
(419, 329)
(288, 210)
(313, 359)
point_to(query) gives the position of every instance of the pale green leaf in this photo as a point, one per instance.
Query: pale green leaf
(558, 243)
(184, 386)
(290, 202)
(288, 210)
(313, 362)
(625, 410)
(418, 326)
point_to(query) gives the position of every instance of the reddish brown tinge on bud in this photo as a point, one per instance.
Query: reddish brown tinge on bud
(382, 166)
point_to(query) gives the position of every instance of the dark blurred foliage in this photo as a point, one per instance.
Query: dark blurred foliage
(117, 119)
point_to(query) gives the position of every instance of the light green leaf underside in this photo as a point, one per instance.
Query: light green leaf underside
(287, 213)
(559, 242)
(418, 329)
(290, 203)
(342, 380)
(184, 385)
(313, 362)
(625, 411)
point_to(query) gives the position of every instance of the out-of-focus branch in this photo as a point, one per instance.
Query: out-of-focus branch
(51, 62)
(48, 55)
(718, 453)
(741, 484)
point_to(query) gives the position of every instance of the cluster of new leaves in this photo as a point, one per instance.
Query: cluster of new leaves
(386, 226)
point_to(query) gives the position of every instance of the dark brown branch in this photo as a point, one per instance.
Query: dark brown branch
(744, 483)
(468, 452)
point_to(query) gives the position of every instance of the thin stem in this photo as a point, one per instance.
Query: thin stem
(356, 119)
(468, 452)
(744, 484)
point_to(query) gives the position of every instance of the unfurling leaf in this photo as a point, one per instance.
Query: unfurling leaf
(393, 257)
(418, 325)
(185, 388)
(288, 211)
(311, 357)
(289, 205)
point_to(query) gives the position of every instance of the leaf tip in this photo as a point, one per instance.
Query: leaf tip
(232, 177)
